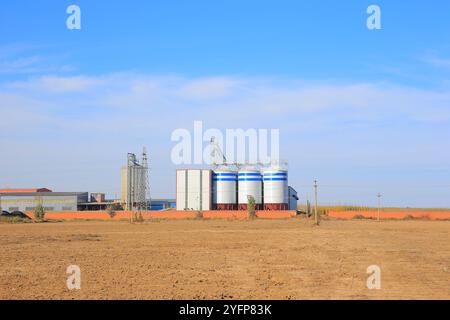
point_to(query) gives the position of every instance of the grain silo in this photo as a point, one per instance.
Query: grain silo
(225, 189)
(249, 184)
(275, 181)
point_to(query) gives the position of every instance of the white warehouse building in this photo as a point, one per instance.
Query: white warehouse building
(194, 189)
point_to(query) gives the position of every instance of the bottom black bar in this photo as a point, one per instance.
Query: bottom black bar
(232, 309)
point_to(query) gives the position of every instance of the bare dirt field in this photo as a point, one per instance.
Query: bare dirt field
(226, 259)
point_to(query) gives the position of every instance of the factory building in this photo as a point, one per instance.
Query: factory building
(293, 198)
(51, 201)
(194, 189)
(98, 197)
(24, 190)
(162, 204)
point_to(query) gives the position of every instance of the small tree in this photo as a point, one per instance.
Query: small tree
(111, 210)
(251, 205)
(39, 212)
(138, 217)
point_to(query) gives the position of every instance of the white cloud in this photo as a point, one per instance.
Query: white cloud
(225, 100)
(58, 84)
(209, 88)
(16, 59)
(437, 61)
(95, 102)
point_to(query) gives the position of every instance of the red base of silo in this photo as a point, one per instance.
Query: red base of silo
(243, 206)
(275, 206)
(226, 206)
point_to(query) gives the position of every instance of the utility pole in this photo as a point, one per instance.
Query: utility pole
(316, 217)
(307, 207)
(379, 205)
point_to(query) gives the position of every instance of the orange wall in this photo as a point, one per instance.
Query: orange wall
(72, 215)
(392, 214)
(172, 214)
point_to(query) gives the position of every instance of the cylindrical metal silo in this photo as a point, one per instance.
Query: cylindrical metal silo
(275, 183)
(224, 189)
(249, 184)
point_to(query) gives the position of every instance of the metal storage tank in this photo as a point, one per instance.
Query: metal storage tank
(276, 195)
(225, 189)
(249, 184)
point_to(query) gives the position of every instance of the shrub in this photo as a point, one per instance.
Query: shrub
(138, 217)
(111, 210)
(11, 219)
(251, 205)
(39, 212)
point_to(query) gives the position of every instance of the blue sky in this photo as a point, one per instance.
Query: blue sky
(363, 111)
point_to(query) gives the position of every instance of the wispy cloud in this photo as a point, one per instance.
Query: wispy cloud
(436, 60)
(17, 59)
(264, 100)
(210, 88)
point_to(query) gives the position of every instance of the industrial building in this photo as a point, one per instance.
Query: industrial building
(135, 183)
(24, 190)
(293, 198)
(27, 199)
(230, 186)
(162, 204)
(227, 189)
(97, 197)
(51, 201)
(194, 189)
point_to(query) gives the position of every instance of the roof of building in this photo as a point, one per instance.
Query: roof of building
(96, 203)
(25, 190)
(163, 200)
(40, 194)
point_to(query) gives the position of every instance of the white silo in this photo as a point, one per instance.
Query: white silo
(249, 184)
(275, 183)
(224, 189)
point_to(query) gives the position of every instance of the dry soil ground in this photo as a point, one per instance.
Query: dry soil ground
(260, 259)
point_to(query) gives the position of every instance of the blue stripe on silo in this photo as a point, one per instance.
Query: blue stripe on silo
(225, 174)
(250, 179)
(275, 179)
(250, 174)
(284, 174)
(224, 179)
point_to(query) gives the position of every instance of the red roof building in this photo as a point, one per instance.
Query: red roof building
(24, 190)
